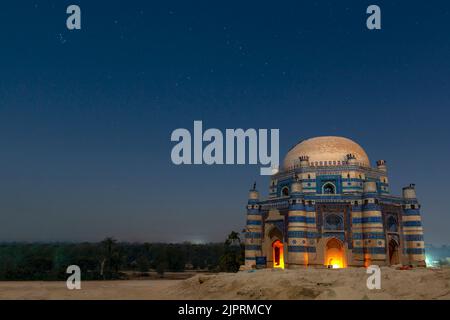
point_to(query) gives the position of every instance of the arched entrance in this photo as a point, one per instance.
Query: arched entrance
(278, 254)
(334, 254)
(393, 252)
(275, 237)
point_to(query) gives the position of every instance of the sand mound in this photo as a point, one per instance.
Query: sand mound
(315, 283)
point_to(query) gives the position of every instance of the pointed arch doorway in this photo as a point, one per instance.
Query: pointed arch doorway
(276, 237)
(278, 254)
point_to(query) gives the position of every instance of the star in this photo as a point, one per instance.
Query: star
(61, 38)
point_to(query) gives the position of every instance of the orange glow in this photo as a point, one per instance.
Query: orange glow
(335, 255)
(278, 256)
(367, 260)
(334, 258)
(305, 259)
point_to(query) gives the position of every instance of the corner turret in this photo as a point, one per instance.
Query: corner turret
(351, 159)
(414, 245)
(253, 230)
(381, 165)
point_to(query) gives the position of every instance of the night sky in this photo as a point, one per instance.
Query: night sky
(86, 116)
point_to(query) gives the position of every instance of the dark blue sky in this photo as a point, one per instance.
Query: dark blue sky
(86, 116)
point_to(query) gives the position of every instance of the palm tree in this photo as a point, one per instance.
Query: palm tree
(233, 239)
(231, 259)
(110, 258)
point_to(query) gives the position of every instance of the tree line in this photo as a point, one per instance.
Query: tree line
(108, 259)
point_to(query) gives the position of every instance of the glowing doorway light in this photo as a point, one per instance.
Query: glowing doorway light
(335, 261)
(335, 254)
(278, 255)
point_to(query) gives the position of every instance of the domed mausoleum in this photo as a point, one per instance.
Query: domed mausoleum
(327, 206)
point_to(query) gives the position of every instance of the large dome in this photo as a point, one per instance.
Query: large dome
(326, 151)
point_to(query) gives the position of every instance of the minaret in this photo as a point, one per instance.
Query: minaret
(298, 228)
(414, 246)
(384, 183)
(374, 238)
(381, 165)
(254, 231)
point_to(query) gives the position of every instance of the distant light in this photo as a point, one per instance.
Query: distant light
(430, 263)
(197, 241)
(336, 266)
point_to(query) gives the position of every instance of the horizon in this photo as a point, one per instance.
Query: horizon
(168, 243)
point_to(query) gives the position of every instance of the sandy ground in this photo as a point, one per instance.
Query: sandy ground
(311, 283)
(90, 290)
(307, 283)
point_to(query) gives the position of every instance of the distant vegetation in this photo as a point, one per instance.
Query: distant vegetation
(109, 259)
